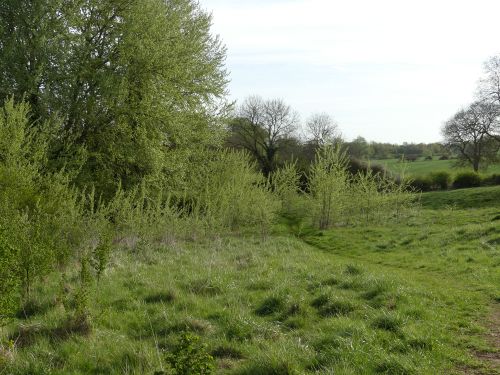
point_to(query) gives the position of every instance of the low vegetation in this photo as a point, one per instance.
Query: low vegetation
(398, 298)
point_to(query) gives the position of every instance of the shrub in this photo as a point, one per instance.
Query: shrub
(337, 197)
(439, 180)
(191, 357)
(285, 183)
(411, 157)
(9, 278)
(466, 180)
(493, 179)
(328, 184)
(421, 183)
(229, 193)
(444, 157)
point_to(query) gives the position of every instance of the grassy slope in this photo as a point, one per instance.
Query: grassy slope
(423, 167)
(406, 298)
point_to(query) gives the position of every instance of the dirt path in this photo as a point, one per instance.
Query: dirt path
(493, 337)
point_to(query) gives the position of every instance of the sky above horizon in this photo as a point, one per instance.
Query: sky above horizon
(388, 70)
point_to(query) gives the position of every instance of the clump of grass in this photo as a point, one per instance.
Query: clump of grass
(331, 281)
(270, 306)
(160, 297)
(203, 287)
(320, 301)
(388, 322)
(268, 367)
(374, 291)
(31, 308)
(336, 307)
(420, 343)
(259, 285)
(233, 328)
(352, 269)
(394, 366)
(328, 306)
(224, 351)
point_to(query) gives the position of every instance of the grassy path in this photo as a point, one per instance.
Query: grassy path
(451, 247)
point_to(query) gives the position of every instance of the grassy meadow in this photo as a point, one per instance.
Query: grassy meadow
(409, 297)
(423, 167)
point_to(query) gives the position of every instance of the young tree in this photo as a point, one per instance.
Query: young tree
(467, 133)
(261, 126)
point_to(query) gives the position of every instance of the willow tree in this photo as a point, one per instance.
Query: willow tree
(138, 86)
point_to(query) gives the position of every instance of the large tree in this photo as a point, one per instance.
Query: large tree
(467, 133)
(136, 84)
(262, 127)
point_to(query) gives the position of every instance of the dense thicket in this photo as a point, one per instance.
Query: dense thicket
(135, 84)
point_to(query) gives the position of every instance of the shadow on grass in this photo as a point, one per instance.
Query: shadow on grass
(28, 335)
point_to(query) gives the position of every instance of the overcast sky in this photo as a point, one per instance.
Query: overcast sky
(388, 70)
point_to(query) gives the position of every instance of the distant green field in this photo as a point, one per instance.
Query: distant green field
(423, 167)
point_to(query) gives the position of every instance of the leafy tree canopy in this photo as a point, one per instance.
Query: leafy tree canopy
(137, 85)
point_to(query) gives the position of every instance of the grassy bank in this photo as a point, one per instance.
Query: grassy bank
(400, 298)
(424, 167)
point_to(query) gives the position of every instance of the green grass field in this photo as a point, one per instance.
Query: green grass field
(413, 297)
(423, 167)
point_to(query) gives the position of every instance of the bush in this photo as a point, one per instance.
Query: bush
(421, 183)
(491, 180)
(9, 277)
(411, 157)
(191, 357)
(466, 180)
(439, 180)
(444, 157)
(228, 192)
(285, 183)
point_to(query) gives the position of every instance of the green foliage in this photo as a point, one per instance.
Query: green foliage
(227, 191)
(491, 180)
(137, 85)
(191, 357)
(440, 180)
(328, 183)
(39, 208)
(9, 274)
(338, 198)
(466, 180)
(285, 182)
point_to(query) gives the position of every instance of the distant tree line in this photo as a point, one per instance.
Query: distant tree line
(271, 132)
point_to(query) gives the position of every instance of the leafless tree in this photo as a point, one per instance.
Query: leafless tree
(260, 127)
(489, 84)
(489, 92)
(468, 133)
(321, 129)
